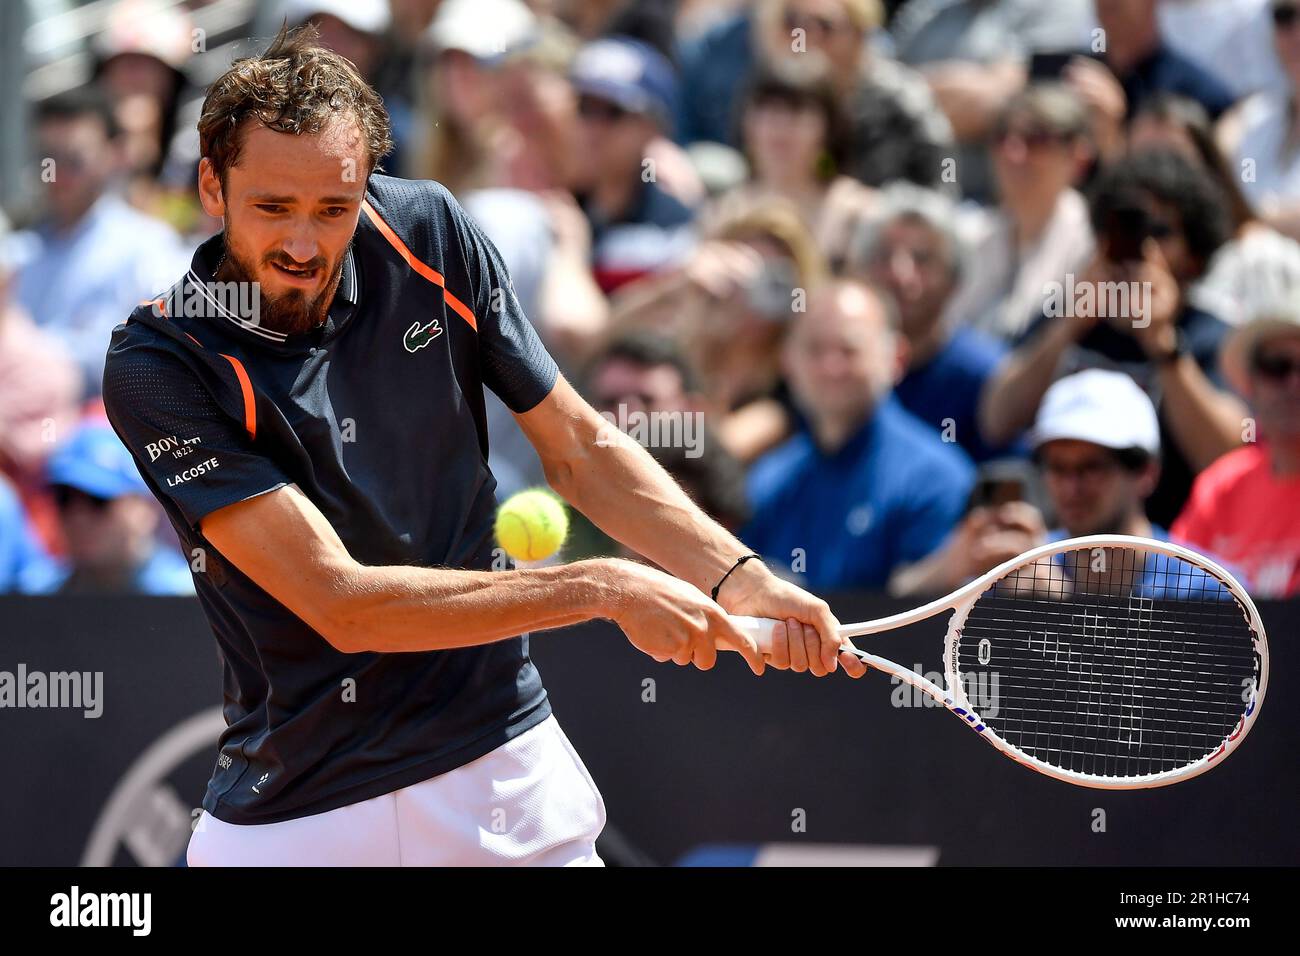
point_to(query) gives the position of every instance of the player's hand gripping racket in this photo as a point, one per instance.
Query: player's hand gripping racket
(1107, 661)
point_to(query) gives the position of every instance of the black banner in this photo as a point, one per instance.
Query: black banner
(717, 767)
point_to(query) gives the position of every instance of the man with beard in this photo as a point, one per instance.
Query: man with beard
(325, 455)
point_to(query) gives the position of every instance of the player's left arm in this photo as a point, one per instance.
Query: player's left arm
(624, 491)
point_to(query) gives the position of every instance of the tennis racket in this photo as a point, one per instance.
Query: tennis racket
(1106, 661)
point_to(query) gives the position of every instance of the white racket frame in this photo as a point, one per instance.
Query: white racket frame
(954, 697)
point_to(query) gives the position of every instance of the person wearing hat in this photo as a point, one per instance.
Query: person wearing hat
(108, 523)
(1096, 443)
(358, 30)
(1159, 218)
(626, 91)
(140, 61)
(1246, 506)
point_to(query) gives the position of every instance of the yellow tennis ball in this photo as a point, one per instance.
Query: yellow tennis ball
(531, 525)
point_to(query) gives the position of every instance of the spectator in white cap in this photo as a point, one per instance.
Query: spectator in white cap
(468, 103)
(357, 30)
(1246, 506)
(1096, 442)
(140, 59)
(351, 28)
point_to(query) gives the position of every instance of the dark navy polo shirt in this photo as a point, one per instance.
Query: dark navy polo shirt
(378, 416)
(848, 518)
(1167, 71)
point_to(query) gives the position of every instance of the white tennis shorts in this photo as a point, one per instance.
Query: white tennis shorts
(529, 802)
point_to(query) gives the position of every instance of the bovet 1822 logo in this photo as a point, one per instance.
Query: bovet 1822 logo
(418, 336)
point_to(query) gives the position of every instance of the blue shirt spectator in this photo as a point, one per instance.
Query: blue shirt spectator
(1163, 578)
(1167, 71)
(1145, 64)
(18, 548)
(162, 574)
(910, 250)
(714, 67)
(885, 499)
(945, 391)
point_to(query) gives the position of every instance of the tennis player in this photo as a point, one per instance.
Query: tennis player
(320, 447)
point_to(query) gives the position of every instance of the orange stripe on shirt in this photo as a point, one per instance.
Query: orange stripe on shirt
(245, 383)
(420, 268)
(246, 387)
(161, 305)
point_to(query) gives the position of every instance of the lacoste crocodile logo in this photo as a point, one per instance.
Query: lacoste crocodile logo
(418, 336)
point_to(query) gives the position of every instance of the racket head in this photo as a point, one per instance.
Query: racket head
(1109, 661)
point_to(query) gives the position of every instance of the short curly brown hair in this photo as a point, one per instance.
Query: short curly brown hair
(294, 87)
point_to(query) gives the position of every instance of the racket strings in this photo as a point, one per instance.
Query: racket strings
(1109, 661)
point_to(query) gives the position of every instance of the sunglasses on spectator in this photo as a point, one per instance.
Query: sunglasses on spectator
(605, 111)
(1276, 368)
(66, 496)
(1088, 472)
(1285, 16)
(1034, 137)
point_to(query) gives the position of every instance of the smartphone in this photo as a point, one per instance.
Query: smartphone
(992, 490)
(1048, 65)
(1126, 230)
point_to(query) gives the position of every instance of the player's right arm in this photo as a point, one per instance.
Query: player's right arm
(284, 544)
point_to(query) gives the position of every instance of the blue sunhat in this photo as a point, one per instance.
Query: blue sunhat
(96, 462)
(628, 72)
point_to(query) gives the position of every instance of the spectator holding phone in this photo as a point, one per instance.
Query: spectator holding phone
(1159, 219)
(1096, 444)
(1258, 268)
(729, 306)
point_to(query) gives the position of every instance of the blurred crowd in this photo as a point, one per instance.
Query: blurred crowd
(938, 280)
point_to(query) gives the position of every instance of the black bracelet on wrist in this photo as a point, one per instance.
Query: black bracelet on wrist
(1177, 351)
(739, 561)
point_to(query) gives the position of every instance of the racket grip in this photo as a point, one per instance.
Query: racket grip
(759, 628)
